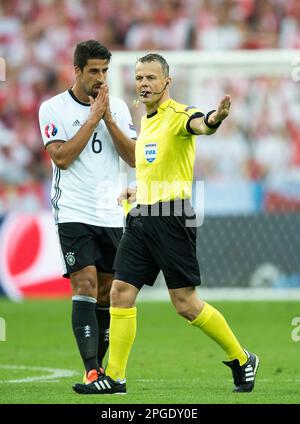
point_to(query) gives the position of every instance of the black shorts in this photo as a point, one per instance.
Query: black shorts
(154, 243)
(83, 245)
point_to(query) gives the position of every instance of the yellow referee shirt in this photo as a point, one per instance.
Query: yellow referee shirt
(165, 154)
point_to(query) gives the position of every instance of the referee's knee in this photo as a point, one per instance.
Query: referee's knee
(188, 310)
(122, 295)
(184, 312)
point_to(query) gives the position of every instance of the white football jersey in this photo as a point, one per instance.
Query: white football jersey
(87, 191)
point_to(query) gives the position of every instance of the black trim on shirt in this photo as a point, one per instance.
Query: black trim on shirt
(195, 115)
(77, 100)
(152, 114)
(169, 106)
(54, 141)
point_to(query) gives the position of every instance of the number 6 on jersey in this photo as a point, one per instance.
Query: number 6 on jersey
(96, 144)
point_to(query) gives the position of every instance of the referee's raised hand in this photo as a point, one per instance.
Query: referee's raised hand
(222, 111)
(99, 104)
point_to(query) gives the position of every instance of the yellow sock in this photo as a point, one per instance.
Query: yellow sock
(121, 337)
(215, 326)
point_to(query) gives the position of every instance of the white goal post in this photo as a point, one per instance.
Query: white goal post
(244, 63)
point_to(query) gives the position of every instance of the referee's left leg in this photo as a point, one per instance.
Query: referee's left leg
(202, 315)
(122, 327)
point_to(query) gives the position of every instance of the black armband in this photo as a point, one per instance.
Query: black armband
(214, 126)
(188, 126)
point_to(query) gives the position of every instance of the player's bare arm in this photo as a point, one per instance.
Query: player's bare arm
(199, 126)
(62, 153)
(124, 145)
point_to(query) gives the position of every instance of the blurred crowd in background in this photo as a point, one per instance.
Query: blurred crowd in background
(37, 40)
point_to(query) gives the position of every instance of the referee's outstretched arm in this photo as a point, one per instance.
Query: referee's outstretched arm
(210, 123)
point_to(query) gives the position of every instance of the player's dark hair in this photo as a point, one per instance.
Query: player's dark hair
(90, 49)
(155, 57)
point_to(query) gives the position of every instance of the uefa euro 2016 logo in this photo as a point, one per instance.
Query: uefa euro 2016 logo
(2, 330)
(50, 130)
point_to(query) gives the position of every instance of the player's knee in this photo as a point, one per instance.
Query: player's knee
(104, 287)
(84, 285)
(103, 296)
(85, 288)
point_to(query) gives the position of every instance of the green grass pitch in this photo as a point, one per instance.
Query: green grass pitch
(171, 361)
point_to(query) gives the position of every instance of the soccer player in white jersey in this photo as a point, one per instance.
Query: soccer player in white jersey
(85, 131)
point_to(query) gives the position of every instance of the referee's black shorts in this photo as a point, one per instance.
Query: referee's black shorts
(163, 242)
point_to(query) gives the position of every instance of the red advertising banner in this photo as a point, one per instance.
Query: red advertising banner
(30, 261)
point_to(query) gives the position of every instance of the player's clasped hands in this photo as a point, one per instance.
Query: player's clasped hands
(100, 103)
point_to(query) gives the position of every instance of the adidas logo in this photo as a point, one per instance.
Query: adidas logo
(249, 373)
(102, 385)
(76, 123)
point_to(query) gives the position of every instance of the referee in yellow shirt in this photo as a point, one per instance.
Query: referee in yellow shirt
(158, 236)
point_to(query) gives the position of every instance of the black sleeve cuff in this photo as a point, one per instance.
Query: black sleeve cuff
(212, 127)
(195, 115)
(53, 141)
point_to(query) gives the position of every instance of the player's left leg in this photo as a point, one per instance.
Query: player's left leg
(104, 282)
(107, 243)
(211, 322)
(122, 335)
(134, 267)
(102, 313)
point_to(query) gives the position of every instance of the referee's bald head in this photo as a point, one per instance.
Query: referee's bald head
(155, 57)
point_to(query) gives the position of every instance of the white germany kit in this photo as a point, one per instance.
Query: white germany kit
(87, 191)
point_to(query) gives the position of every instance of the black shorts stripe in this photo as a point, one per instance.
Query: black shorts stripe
(57, 194)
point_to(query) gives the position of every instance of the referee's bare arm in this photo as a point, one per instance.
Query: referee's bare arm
(63, 154)
(211, 123)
